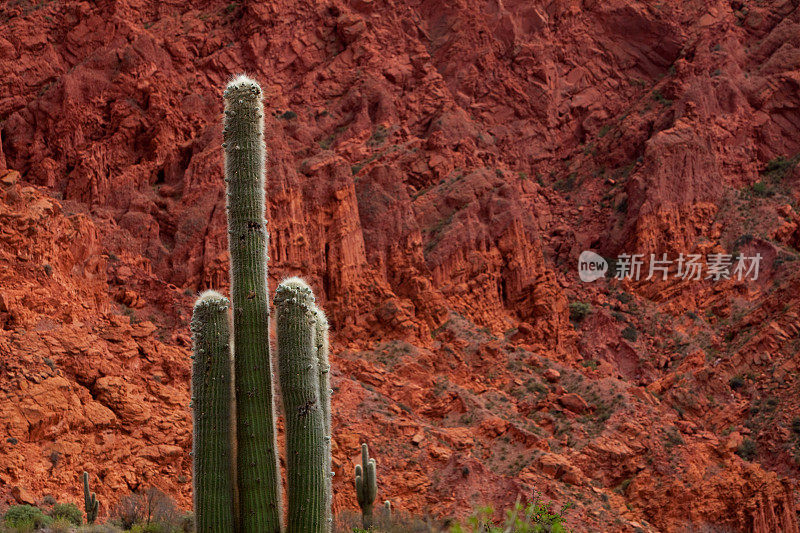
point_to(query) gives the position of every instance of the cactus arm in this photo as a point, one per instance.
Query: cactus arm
(307, 478)
(259, 489)
(360, 486)
(86, 487)
(364, 456)
(372, 484)
(212, 452)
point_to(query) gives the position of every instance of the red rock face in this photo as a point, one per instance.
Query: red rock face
(435, 169)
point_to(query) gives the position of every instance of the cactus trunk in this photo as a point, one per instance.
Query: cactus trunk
(257, 456)
(306, 449)
(212, 452)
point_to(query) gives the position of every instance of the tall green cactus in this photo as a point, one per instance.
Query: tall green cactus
(257, 470)
(302, 360)
(90, 503)
(211, 396)
(298, 365)
(366, 486)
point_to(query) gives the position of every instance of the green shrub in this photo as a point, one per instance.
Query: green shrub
(24, 518)
(761, 190)
(152, 527)
(67, 511)
(579, 310)
(736, 382)
(747, 449)
(25, 526)
(566, 184)
(661, 99)
(20, 516)
(536, 517)
(630, 334)
(186, 523)
(780, 167)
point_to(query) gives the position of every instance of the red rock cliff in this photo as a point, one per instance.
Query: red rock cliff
(435, 168)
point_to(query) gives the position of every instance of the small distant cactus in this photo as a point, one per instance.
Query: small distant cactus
(366, 486)
(237, 352)
(90, 502)
(387, 511)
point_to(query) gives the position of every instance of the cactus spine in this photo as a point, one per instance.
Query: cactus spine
(212, 452)
(90, 503)
(366, 486)
(257, 471)
(298, 365)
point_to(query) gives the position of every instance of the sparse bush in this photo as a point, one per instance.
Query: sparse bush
(747, 449)
(159, 507)
(99, 528)
(579, 310)
(780, 167)
(350, 522)
(761, 190)
(48, 498)
(536, 517)
(151, 510)
(566, 184)
(673, 438)
(661, 99)
(630, 334)
(736, 382)
(186, 523)
(67, 511)
(128, 510)
(61, 525)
